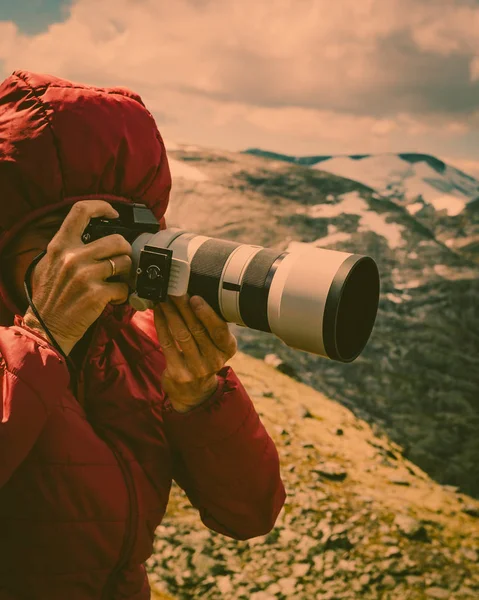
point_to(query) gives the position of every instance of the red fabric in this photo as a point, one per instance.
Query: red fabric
(64, 502)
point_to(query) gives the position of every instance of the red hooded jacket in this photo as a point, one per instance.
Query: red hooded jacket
(85, 481)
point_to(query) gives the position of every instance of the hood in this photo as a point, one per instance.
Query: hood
(61, 142)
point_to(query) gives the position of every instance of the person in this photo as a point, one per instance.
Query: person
(85, 474)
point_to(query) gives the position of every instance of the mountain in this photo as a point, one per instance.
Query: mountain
(418, 377)
(359, 521)
(411, 177)
(443, 198)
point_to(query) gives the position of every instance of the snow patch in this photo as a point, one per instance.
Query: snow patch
(333, 239)
(352, 203)
(452, 205)
(414, 208)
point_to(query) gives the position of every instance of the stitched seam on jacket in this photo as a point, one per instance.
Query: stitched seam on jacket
(48, 122)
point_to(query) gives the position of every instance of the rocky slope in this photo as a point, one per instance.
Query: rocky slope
(418, 378)
(360, 521)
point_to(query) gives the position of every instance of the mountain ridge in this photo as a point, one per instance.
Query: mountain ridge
(311, 160)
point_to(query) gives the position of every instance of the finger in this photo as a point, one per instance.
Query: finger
(218, 330)
(171, 351)
(214, 357)
(188, 331)
(102, 268)
(78, 218)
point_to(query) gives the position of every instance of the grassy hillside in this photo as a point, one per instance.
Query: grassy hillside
(360, 521)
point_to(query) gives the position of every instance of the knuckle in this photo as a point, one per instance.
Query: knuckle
(198, 330)
(184, 377)
(81, 206)
(183, 335)
(53, 247)
(168, 344)
(69, 260)
(122, 244)
(118, 239)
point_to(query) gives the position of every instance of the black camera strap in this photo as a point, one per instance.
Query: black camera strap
(27, 286)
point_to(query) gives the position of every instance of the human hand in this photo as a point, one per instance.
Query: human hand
(196, 345)
(69, 284)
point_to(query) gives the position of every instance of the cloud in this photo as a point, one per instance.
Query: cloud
(303, 68)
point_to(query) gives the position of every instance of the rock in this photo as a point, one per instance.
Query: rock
(471, 510)
(388, 540)
(331, 471)
(470, 554)
(364, 579)
(339, 431)
(280, 365)
(287, 535)
(450, 488)
(287, 585)
(437, 592)
(262, 595)
(303, 412)
(388, 581)
(411, 528)
(329, 574)
(202, 563)
(398, 480)
(301, 569)
(394, 551)
(224, 584)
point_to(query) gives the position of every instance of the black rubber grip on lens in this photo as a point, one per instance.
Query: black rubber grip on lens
(253, 300)
(206, 269)
(207, 266)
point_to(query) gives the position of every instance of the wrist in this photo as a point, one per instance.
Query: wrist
(182, 407)
(31, 321)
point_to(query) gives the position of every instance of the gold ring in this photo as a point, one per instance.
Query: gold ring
(113, 266)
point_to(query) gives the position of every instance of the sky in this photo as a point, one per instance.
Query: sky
(300, 77)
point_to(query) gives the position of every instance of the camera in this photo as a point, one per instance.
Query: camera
(315, 300)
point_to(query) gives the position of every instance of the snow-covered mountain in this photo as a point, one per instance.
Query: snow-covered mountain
(442, 198)
(417, 179)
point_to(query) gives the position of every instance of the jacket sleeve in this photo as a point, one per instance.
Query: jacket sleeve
(28, 365)
(225, 461)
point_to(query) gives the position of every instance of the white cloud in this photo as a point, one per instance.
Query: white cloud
(308, 69)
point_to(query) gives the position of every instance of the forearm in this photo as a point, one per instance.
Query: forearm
(226, 462)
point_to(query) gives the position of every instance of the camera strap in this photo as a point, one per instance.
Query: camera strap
(27, 286)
